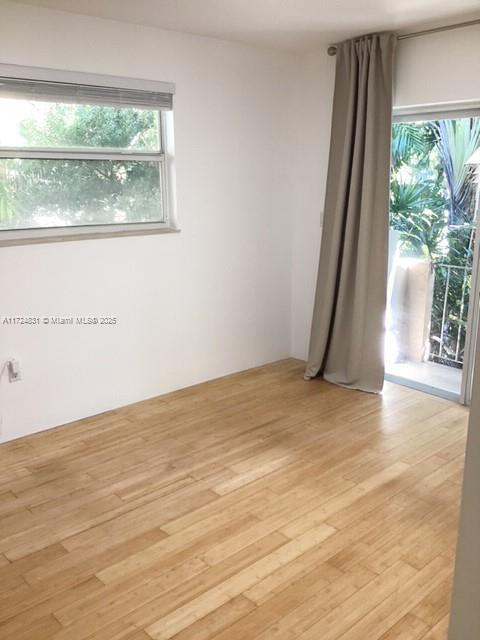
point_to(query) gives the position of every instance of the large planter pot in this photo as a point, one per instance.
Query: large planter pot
(411, 308)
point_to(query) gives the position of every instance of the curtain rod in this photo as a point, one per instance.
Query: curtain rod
(332, 50)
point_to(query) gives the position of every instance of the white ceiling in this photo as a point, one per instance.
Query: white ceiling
(296, 25)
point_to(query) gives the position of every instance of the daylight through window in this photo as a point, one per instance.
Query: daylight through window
(73, 158)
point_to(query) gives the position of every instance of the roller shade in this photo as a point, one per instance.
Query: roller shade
(417, 113)
(81, 88)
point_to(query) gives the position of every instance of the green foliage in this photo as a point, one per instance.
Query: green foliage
(77, 191)
(410, 143)
(5, 210)
(417, 195)
(456, 141)
(432, 205)
(417, 211)
(93, 126)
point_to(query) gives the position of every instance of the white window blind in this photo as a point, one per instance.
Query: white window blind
(83, 94)
(82, 88)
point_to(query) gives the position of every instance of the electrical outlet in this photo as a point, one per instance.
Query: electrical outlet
(13, 368)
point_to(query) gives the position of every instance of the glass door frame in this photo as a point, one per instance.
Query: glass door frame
(473, 316)
(452, 111)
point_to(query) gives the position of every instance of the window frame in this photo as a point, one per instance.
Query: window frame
(164, 157)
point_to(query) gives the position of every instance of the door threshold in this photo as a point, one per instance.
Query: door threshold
(425, 388)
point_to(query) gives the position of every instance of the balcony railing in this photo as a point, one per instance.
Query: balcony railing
(449, 313)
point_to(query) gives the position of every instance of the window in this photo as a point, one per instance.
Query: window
(83, 154)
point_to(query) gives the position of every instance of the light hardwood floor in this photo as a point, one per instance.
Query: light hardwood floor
(254, 506)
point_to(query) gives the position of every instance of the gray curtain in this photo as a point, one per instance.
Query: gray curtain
(346, 344)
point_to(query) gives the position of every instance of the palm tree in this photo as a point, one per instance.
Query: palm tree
(411, 141)
(456, 141)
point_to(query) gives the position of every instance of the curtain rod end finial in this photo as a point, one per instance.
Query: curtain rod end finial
(332, 50)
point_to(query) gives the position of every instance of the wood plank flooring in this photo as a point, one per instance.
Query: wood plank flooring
(257, 506)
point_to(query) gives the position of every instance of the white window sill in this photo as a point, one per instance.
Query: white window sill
(69, 234)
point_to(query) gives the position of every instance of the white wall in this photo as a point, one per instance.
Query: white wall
(208, 301)
(313, 138)
(433, 69)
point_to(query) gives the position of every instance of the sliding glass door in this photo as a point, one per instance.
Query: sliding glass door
(433, 258)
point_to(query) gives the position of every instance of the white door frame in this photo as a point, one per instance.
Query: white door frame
(473, 314)
(453, 111)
